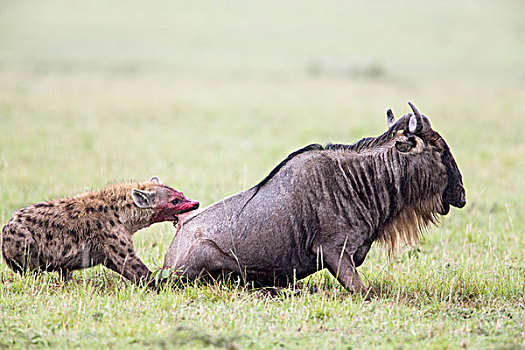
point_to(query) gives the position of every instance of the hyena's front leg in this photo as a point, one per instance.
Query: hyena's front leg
(121, 258)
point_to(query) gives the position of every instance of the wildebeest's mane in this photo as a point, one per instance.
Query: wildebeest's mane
(361, 145)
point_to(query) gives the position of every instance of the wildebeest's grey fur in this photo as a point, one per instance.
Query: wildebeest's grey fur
(323, 207)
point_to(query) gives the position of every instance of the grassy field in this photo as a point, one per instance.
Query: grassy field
(209, 99)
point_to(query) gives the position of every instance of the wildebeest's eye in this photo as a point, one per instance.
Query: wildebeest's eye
(404, 146)
(176, 201)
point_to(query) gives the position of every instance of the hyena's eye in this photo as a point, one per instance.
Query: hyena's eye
(176, 201)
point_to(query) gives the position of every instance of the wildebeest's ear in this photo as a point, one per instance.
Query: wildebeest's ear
(143, 199)
(390, 120)
(155, 179)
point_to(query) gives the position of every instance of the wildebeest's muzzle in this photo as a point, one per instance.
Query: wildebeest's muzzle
(455, 192)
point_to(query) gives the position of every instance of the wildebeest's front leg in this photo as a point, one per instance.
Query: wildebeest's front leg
(341, 265)
(121, 258)
(360, 254)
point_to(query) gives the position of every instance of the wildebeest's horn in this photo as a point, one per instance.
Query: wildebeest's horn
(416, 121)
(390, 120)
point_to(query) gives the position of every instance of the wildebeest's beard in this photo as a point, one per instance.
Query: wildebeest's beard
(419, 182)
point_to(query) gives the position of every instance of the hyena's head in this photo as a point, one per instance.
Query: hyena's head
(165, 202)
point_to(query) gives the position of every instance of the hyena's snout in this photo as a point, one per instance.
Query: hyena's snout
(186, 206)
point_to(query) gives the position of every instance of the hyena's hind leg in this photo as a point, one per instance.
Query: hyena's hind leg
(19, 250)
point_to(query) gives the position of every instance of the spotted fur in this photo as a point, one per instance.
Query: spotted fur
(90, 228)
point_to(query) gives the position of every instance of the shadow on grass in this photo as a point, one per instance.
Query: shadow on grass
(459, 288)
(183, 336)
(457, 292)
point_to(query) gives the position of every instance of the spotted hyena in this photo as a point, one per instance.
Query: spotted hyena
(90, 228)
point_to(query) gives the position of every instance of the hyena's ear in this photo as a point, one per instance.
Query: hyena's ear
(143, 199)
(155, 179)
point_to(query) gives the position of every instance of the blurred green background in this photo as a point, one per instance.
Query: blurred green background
(409, 40)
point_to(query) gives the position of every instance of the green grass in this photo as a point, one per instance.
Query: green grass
(209, 99)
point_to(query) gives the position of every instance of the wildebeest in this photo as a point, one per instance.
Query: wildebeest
(323, 207)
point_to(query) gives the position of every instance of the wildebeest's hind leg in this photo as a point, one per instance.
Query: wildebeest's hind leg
(205, 257)
(343, 268)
